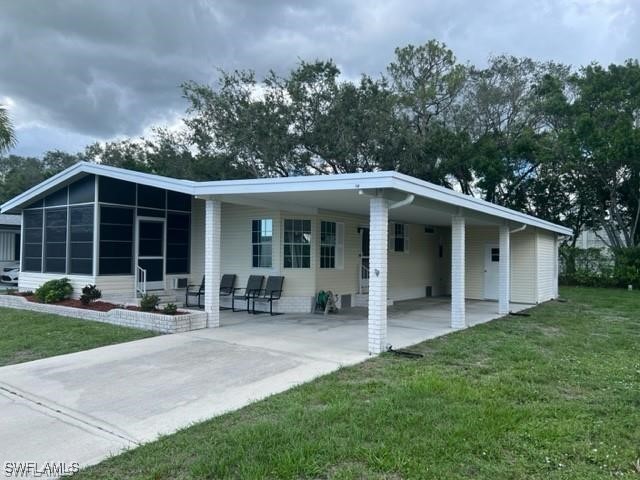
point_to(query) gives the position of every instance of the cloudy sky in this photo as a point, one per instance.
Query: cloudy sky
(76, 71)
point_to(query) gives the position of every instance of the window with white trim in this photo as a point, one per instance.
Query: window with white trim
(297, 243)
(332, 245)
(262, 243)
(400, 237)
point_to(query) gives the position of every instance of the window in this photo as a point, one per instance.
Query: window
(332, 245)
(262, 243)
(495, 254)
(178, 243)
(400, 237)
(327, 245)
(297, 243)
(116, 240)
(32, 249)
(81, 240)
(55, 251)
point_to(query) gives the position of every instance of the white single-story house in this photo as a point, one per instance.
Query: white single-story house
(371, 238)
(9, 240)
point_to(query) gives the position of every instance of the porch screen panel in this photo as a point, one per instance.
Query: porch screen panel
(55, 258)
(81, 240)
(116, 241)
(178, 243)
(32, 241)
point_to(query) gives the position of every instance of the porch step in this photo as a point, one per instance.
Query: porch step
(362, 300)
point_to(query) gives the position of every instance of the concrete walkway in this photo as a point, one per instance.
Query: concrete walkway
(84, 406)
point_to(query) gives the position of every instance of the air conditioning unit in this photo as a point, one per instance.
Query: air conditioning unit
(179, 283)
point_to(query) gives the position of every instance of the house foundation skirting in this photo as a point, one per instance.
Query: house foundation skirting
(156, 322)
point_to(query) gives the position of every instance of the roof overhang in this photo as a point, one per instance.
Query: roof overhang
(307, 192)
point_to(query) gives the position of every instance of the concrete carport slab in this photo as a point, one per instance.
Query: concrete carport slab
(85, 406)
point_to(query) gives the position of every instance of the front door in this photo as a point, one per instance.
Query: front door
(491, 271)
(151, 251)
(364, 260)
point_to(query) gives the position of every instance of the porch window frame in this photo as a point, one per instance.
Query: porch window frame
(296, 265)
(393, 237)
(337, 245)
(253, 244)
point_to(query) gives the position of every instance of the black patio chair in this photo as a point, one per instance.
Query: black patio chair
(227, 284)
(272, 291)
(254, 284)
(194, 293)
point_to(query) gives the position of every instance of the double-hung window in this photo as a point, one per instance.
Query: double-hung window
(400, 237)
(262, 243)
(297, 243)
(331, 245)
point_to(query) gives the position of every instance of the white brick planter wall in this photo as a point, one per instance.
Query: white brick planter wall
(156, 322)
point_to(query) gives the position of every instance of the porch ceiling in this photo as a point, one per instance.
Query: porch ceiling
(422, 211)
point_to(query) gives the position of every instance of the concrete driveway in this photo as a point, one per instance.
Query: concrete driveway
(84, 406)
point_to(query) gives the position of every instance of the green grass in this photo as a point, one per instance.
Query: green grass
(30, 335)
(552, 396)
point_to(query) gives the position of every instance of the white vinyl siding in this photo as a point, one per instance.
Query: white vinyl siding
(523, 266)
(29, 281)
(546, 270)
(410, 273)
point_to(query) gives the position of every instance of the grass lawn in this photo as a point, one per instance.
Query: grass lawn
(554, 395)
(30, 335)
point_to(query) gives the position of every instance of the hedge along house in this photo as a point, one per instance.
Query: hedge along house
(371, 238)
(9, 240)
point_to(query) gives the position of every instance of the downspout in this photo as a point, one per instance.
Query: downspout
(407, 201)
(519, 229)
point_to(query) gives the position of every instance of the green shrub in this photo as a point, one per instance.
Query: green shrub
(54, 291)
(170, 309)
(627, 266)
(90, 294)
(149, 303)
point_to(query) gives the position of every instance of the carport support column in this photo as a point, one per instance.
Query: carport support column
(458, 317)
(378, 234)
(504, 268)
(212, 242)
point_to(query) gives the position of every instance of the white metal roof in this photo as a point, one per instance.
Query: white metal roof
(388, 180)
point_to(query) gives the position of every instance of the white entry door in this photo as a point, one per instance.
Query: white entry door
(151, 251)
(491, 271)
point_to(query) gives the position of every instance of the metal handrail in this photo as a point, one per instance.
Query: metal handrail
(141, 280)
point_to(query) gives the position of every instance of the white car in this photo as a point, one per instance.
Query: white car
(10, 274)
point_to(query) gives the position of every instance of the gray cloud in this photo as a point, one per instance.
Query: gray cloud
(77, 71)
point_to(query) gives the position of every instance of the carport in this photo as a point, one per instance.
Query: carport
(339, 337)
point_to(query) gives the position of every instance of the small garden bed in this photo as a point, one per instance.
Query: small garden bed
(98, 305)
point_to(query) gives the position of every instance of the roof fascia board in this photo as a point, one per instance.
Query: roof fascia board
(183, 186)
(419, 187)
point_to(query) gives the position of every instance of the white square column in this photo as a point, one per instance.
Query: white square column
(213, 243)
(504, 271)
(378, 235)
(458, 314)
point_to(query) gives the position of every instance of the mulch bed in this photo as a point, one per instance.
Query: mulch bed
(98, 306)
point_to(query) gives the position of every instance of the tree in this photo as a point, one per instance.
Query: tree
(18, 174)
(605, 133)
(427, 82)
(7, 134)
